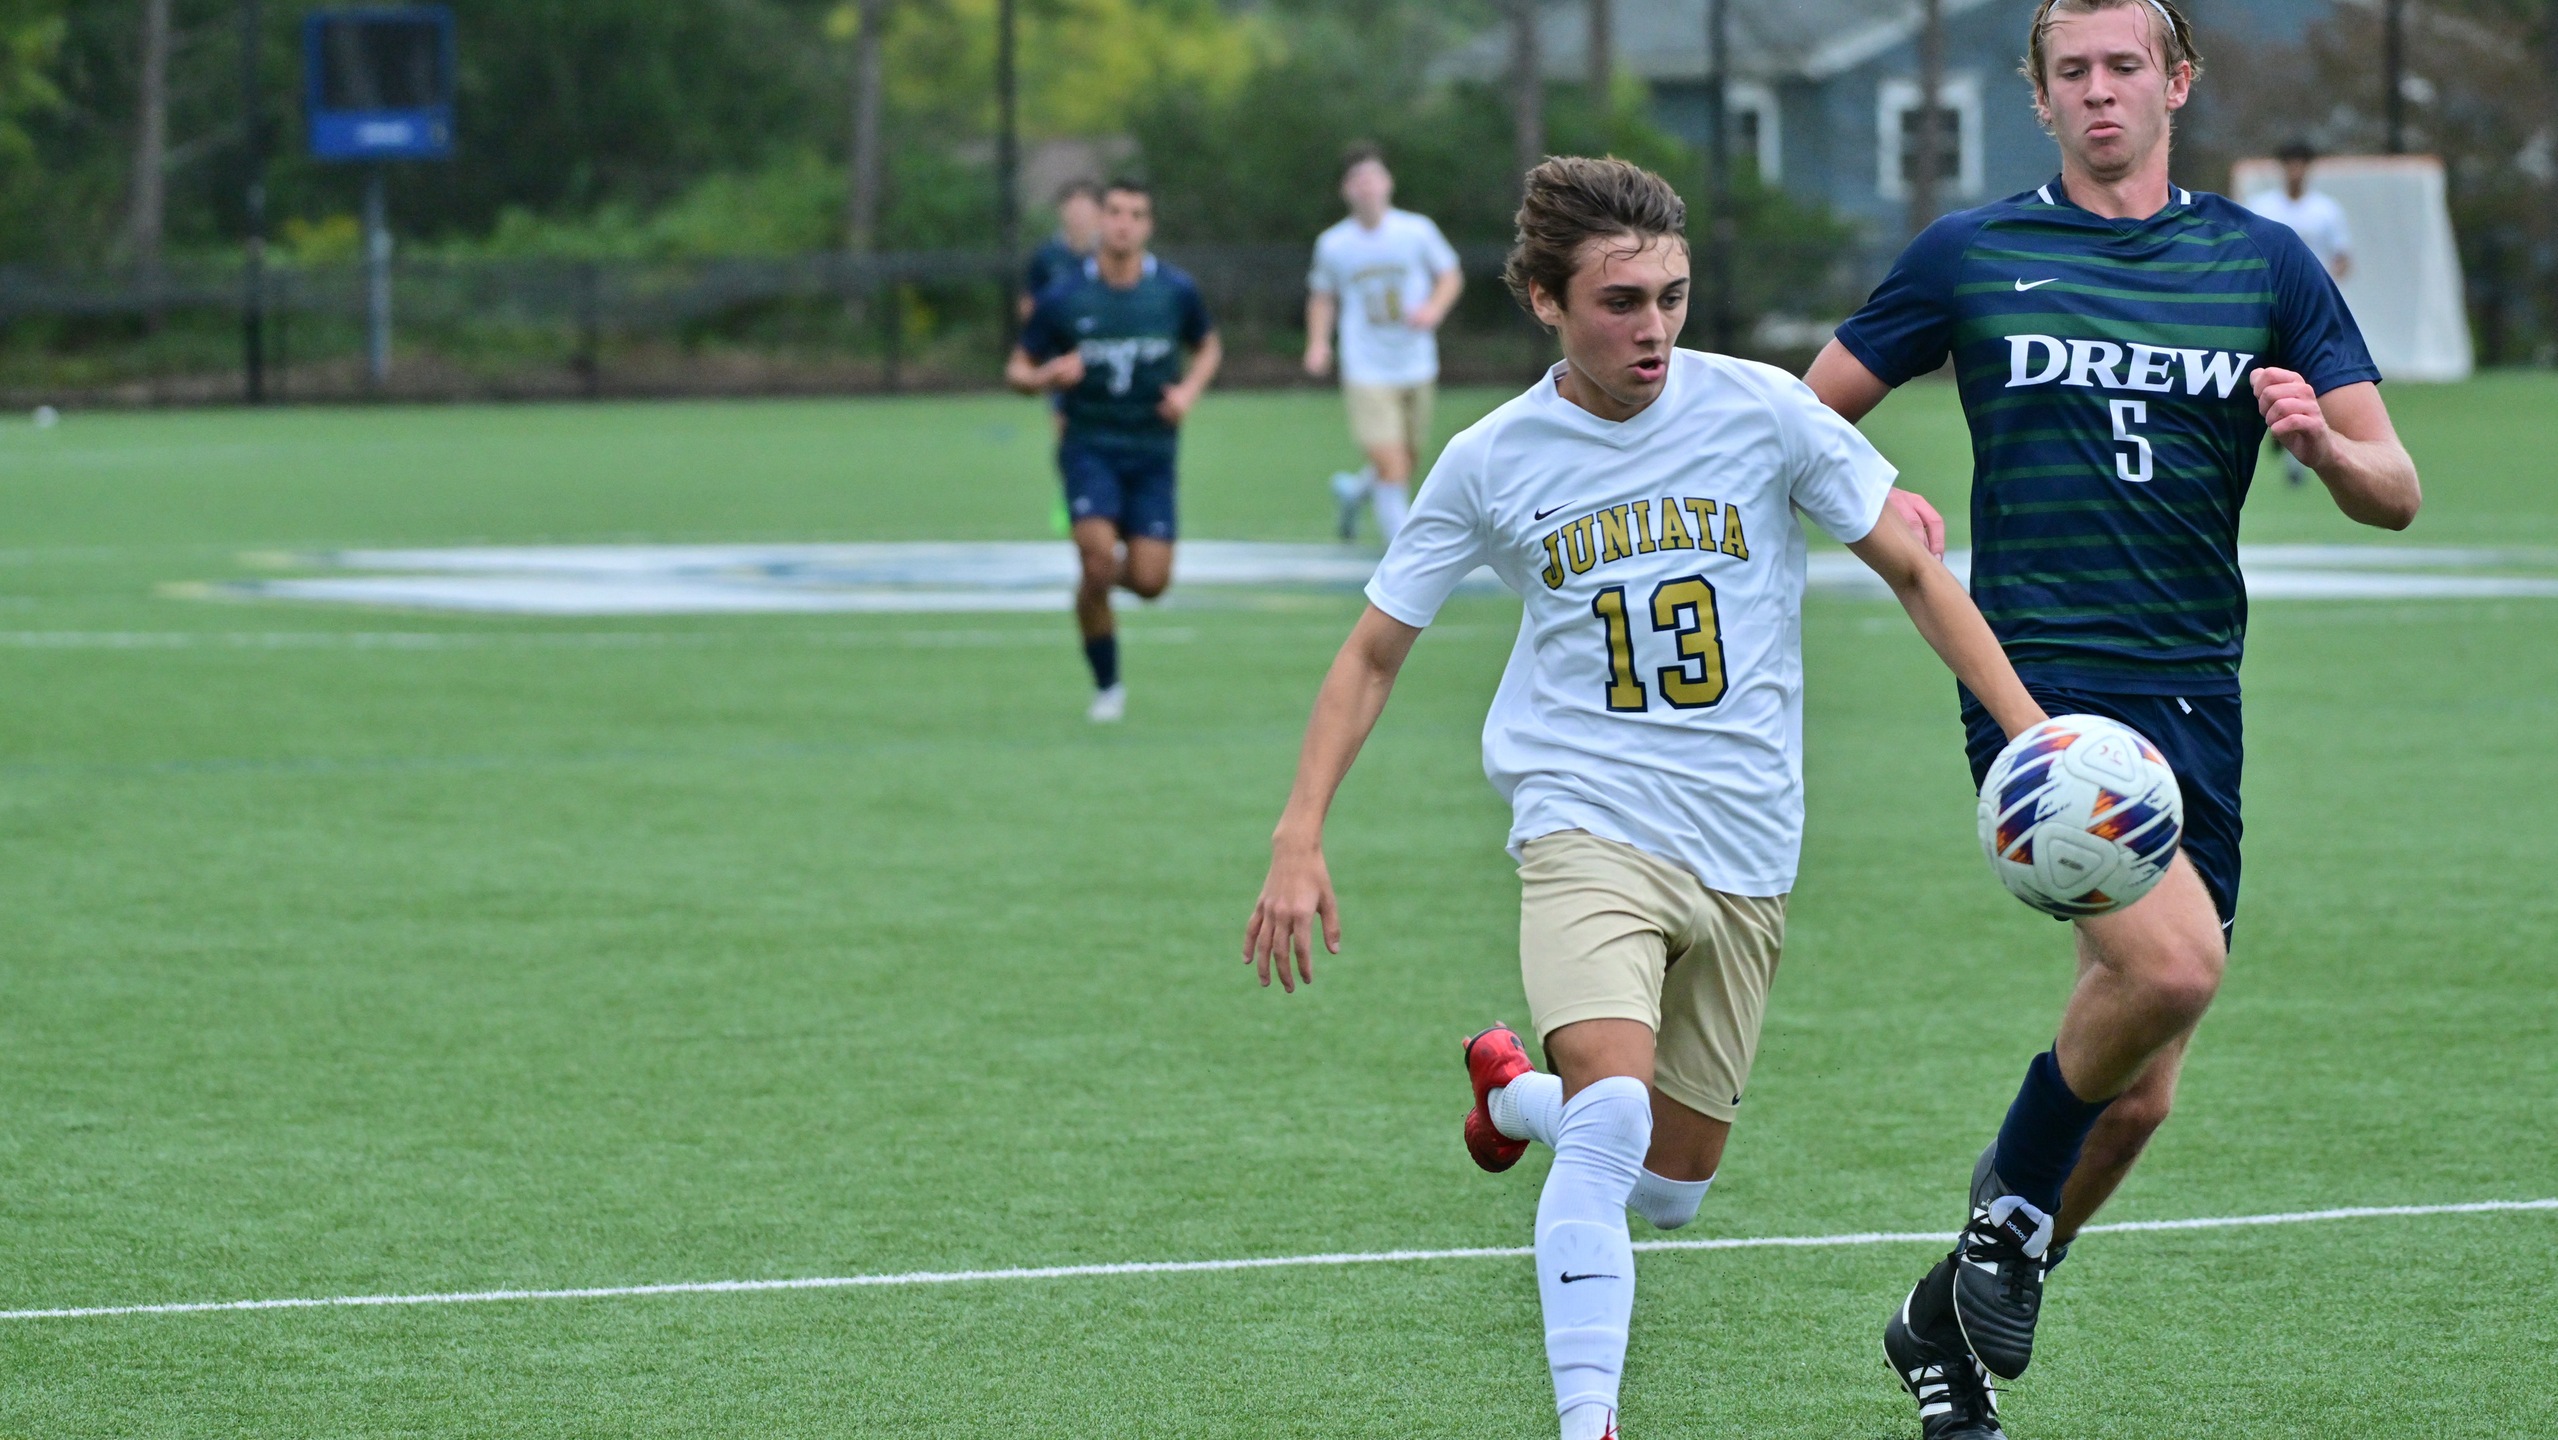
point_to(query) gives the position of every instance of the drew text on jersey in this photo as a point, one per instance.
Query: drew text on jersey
(2044, 359)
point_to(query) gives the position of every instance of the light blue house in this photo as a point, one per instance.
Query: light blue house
(1824, 94)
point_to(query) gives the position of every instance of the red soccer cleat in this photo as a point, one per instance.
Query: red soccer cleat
(1493, 1059)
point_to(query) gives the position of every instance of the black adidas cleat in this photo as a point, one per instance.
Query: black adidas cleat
(1925, 1348)
(1999, 1263)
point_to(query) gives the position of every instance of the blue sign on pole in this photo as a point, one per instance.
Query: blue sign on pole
(378, 82)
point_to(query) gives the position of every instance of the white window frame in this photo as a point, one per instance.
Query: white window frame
(1757, 99)
(1900, 95)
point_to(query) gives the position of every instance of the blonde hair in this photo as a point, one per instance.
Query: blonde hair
(2179, 37)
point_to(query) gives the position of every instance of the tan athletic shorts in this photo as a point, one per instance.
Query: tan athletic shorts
(1608, 932)
(1383, 415)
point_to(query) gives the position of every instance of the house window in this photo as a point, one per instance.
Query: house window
(1901, 123)
(1755, 137)
(1947, 160)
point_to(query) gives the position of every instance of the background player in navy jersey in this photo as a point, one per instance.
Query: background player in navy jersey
(2122, 345)
(1061, 256)
(1110, 340)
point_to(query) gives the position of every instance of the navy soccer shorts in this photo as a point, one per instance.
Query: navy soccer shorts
(2201, 738)
(1132, 488)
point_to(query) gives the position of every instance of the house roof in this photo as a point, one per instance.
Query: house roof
(1665, 39)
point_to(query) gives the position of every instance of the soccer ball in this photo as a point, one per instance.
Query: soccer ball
(2080, 816)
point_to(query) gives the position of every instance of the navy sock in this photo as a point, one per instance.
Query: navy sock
(2046, 1127)
(1103, 655)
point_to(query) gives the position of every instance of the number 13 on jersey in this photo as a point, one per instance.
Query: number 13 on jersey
(1683, 608)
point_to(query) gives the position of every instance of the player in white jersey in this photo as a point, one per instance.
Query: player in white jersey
(2320, 223)
(2313, 215)
(1387, 277)
(1641, 500)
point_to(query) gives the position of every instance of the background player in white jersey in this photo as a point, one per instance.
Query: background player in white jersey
(1641, 500)
(2320, 223)
(2313, 215)
(1387, 277)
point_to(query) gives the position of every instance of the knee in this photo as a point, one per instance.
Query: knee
(1612, 1116)
(1098, 572)
(2187, 989)
(2183, 975)
(1148, 587)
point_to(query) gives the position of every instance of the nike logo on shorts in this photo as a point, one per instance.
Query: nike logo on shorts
(1569, 1277)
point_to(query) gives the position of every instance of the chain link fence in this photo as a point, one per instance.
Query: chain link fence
(566, 329)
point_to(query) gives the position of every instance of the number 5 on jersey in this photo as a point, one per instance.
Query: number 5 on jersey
(1684, 607)
(2134, 465)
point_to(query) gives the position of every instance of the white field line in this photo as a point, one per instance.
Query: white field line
(1194, 1267)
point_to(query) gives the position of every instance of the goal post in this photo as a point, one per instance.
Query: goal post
(2404, 286)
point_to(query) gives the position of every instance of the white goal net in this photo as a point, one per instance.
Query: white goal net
(2404, 284)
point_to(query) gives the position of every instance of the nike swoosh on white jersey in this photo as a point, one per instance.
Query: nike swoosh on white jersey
(2046, 280)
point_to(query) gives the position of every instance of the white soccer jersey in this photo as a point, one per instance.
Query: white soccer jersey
(1655, 695)
(2316, 218)
(1379, 277)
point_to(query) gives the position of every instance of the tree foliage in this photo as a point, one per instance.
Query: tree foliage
(649, 128)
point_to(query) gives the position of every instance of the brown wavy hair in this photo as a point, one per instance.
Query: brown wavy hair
(1571, 200)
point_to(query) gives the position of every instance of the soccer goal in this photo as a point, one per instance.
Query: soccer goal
(2404, 286)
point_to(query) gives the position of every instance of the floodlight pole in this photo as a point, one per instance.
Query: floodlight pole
(1007, 158)
(1720, 227)
(377, 279)
(2394, 70)
(253, 210)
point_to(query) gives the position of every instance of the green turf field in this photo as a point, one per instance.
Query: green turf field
(350, 952)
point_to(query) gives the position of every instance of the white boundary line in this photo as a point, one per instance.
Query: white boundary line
(1194, 1267)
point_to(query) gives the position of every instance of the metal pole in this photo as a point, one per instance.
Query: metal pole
(2547, 259)
(1527, 89)
(253, 255)
(1007, 166)
(590, 328)
(377, 281)
(1928, 163)
(2394, 67)
(1718, 119)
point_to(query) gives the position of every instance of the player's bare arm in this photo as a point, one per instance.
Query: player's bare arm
(1177, 399)
(1298, 893)
(2346, 437)
(1844, 384)
(1443, 298)
(1322, 309)
(1034, 377)
(1950, 622)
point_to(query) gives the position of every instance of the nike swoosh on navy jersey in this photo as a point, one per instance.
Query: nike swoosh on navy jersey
(2046, 280)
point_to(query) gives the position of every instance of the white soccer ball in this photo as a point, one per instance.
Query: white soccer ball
(2080, 815)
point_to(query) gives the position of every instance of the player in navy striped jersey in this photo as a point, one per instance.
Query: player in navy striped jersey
(2122, 346)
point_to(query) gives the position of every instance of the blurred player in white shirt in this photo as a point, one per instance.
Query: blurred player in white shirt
(1386, 277)
(2320, 223)
(2315, 217)
(1643, 503)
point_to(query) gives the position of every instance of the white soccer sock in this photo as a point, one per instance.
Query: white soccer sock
(1389, 503)
(1585, 1259)
(1589, 1422)
(1528, 1108)
(1667, 1203)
